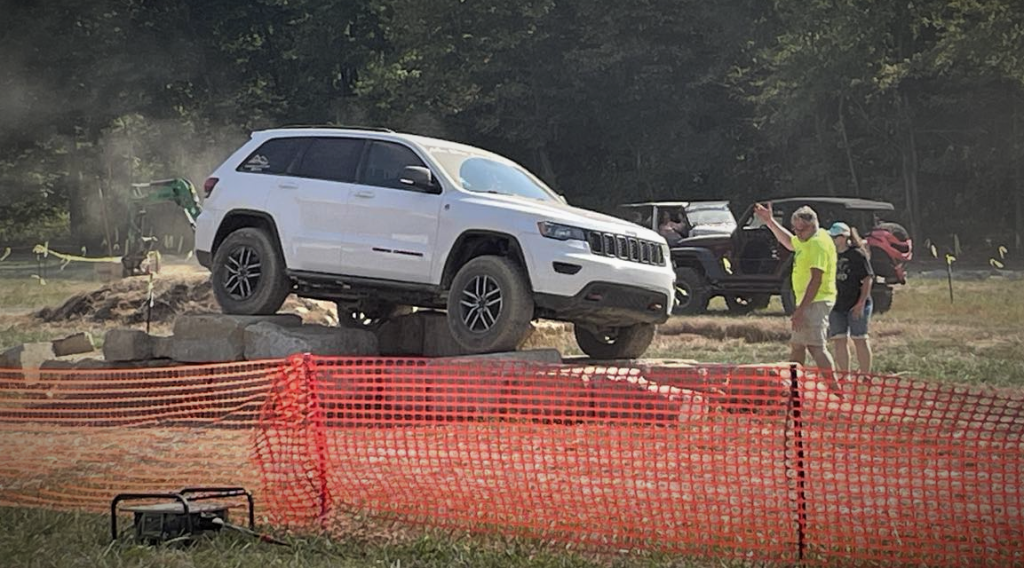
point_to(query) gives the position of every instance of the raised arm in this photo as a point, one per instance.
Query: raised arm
(764, 213)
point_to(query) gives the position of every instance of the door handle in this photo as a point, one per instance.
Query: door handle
(288, 186)
(366, 194)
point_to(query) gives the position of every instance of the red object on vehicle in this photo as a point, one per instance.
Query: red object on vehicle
(896, 245)
(209, 185)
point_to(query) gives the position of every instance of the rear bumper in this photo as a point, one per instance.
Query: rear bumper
(606, 304)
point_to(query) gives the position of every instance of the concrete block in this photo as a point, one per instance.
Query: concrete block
(269, 341)
(558, 394)
(628, 396)
(550, 356)
(466, 397)
(214, 349)
(127, 345)
(206, 326)
(74, 344)
(437, 338)
(90, 364)
(402, 336)
(163, 347)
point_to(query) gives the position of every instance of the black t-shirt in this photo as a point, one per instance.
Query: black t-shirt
(853, 267)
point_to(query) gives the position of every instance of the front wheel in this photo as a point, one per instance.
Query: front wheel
(628, 342)
(691, 296)
(489, 305)
(248, 274)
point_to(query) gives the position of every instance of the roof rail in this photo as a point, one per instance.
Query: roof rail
(340, 126)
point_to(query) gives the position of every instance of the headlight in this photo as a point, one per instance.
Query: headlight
(561, 232)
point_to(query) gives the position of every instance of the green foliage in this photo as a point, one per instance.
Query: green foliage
(917, 103)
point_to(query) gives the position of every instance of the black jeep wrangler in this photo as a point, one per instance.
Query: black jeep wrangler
(749, 266)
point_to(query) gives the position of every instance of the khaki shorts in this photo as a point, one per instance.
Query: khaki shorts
(814, 327)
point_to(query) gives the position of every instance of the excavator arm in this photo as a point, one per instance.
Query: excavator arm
(179, 191)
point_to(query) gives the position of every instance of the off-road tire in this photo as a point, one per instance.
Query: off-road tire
(490, 305)
(624, 343)
(881, 299)
(743, 305)
(691, 293)
(248, 274)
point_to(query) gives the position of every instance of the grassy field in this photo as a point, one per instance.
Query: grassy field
(39, 539)
(977, 339)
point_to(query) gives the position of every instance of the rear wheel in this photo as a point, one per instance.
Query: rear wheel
(248, 274)
(628, 342)
(489, 305)
(692, 293)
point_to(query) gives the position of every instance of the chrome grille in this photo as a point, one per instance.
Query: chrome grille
(626, 248)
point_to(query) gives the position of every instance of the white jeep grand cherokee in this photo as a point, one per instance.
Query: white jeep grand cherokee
(381, 222)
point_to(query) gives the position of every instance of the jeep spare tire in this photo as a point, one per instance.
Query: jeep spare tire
(489, 305)
(621, 343)
(248, 274)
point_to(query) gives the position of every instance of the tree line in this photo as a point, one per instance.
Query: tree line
(919, 103)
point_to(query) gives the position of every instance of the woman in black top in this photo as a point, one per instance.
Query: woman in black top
(852, 311)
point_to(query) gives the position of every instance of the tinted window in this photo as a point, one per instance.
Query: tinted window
(333, 159)
(274, 156)
(385, 162)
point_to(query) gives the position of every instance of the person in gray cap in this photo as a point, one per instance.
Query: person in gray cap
(852, 313)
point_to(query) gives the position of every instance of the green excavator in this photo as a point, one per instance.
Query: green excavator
(140, 243)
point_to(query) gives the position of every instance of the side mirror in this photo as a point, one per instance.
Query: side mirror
(419, 178)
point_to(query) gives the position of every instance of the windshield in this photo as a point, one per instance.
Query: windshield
(486, 174)
(710, 217)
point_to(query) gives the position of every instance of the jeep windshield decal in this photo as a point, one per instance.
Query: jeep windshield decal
(485, 174)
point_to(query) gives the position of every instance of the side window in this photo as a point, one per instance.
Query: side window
(385, 162)
(332, 159)
(274, 157)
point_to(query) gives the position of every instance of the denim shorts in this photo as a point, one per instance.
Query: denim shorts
(843, 324)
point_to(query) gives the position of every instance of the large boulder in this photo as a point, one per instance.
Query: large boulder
(74, 344)
(127, 345)
(217, 338)
(420, 334)
(266, 340)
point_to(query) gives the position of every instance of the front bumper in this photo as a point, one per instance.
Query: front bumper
(606, 304)
(205, 258)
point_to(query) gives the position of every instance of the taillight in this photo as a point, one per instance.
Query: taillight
(209, 185)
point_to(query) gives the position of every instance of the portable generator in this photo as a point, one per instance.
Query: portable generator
(185, 515)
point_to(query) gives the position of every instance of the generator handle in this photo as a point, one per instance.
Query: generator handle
(215, 492)
(138, 496)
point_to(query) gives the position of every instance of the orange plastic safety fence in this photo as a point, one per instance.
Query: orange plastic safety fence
(74, 439)
(726, 461)
(747, 462)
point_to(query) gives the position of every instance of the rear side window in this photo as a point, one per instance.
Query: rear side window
(332, 159)
(274, 157)
(385, 162)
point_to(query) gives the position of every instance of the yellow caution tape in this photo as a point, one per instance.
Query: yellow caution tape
(45, 250)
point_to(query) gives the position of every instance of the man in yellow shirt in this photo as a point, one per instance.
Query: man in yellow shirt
(814, 285)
